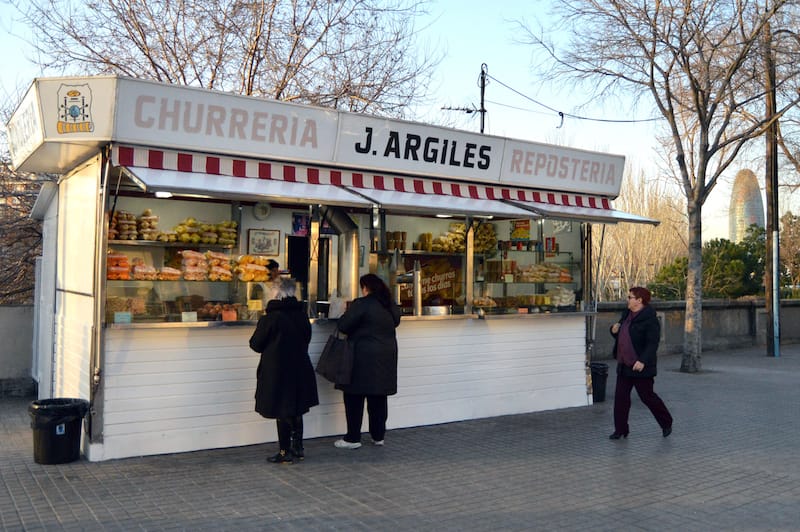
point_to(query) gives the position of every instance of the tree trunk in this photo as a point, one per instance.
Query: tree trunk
(693, 326)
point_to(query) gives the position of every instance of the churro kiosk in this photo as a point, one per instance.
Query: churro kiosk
(170, 201)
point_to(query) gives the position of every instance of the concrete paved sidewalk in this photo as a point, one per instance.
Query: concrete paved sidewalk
(732, 463)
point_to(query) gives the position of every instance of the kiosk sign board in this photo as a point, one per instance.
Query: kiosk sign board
(63, 121)
(25, 128)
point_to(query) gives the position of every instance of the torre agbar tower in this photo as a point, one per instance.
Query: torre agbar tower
(747, 207)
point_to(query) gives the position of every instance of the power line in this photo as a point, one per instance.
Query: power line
(516, 108)
(563, 114)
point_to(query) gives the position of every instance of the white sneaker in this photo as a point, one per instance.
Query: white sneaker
(341, 444)
(379, 443)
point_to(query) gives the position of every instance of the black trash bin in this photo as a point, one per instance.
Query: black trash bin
(57, 426)
(599, 377)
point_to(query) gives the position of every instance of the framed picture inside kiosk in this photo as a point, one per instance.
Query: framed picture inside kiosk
(263, 242)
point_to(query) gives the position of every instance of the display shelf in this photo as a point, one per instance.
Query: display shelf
(526, 282)
(122, 282)
(403, 252)
(156, 243)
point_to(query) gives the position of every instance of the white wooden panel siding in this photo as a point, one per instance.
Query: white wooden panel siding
(183, 389)
(175, 389)
(465, 369)
(75, 270)
(46, 305)
(73, 340)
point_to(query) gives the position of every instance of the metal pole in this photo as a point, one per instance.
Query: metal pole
(482, 110)
(776, 296)
(772, 278)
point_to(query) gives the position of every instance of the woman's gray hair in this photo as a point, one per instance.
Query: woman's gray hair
(284, 287)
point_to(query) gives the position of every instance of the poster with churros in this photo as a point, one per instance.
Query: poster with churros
(441, 280)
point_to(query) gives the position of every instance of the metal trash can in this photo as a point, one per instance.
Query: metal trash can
(57, 427)
(599, 377)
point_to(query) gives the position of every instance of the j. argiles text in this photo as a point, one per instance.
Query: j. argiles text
(430, 149)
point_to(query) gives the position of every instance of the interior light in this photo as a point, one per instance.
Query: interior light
(163, 194)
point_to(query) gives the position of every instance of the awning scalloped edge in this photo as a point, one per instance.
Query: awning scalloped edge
(260, 169)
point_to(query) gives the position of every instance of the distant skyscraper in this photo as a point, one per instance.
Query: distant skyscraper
(747, 207)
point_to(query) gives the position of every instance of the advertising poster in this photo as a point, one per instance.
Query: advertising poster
(441, 278)
(520, 230)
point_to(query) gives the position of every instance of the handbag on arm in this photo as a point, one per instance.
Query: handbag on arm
(336, 360)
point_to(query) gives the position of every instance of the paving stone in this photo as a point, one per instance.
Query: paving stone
(730, 464)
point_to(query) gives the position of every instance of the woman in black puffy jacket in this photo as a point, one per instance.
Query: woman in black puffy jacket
(370, 324)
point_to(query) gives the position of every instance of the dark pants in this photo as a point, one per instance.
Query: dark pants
(377, 410)
(286, 427)
(622, 402)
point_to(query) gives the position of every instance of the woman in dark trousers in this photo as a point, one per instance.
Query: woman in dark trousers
(370, 324)
(286, 386)
(636, 335)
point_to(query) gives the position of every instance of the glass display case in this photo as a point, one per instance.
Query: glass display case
(527, 280)
(173, 260)
(517, 266)
(163, 281)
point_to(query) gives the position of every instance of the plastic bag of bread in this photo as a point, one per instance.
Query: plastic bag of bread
(118, 273)
(117, 259)
(193, 273)
(219, 274)
(193, 259)
(169, 274)
(143, 272)
(214, 258)
(252, 272)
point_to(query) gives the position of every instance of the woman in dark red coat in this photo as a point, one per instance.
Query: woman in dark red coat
(370, 324)
(637, 335)
(286, 386)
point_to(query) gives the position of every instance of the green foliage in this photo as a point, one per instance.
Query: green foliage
(670, 281)
(730, 270)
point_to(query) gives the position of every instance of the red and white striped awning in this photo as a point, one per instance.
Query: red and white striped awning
(592, 208)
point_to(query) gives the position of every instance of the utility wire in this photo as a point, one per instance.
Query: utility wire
(563, 114)
(516, 108)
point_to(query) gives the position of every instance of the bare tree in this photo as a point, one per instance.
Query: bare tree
(625, 260)
(790, 249)
(700, 65)
(356, 55)
(789, 143)
(788, 127)
(20, 236)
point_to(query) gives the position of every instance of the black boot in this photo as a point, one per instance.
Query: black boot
(297, 438)
(283, 457)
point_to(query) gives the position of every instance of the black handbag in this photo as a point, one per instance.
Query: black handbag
(336, 361)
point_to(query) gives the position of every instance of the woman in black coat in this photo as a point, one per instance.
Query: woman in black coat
(637, 335)
(370, 324)
(286, 386)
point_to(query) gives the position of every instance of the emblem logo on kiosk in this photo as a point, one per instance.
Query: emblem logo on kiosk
(74, 109)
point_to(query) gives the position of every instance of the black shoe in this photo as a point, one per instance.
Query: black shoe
(282, 457)
(298, 453)
(667, 431)
(618, 435)
(296, 446)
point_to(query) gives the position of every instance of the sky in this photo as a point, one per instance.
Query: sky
(468, 34)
